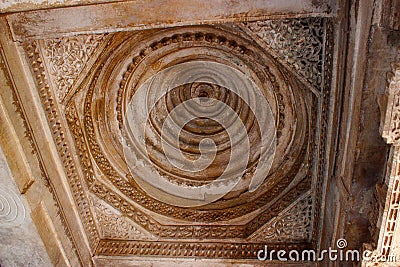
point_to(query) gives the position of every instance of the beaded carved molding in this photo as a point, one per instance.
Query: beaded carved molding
(86, 84)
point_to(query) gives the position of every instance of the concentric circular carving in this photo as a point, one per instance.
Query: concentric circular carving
(201, 117)
(199, 148)
(186, 103)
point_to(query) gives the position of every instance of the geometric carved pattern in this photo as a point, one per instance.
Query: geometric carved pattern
(123, 219)
(298, 42)
(388, 237)
(66, 57)
(391, 212)
(293, 224)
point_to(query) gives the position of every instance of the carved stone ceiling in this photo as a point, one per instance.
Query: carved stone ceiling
(195, 133)
(194, 141)
(256, 92)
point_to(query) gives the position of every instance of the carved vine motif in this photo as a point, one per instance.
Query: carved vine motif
(291, 225)
(66, 57)
(299, 42)
(113, 225)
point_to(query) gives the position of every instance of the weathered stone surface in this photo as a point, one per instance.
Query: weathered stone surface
(370, 167)
(127, 15)
(20, 244)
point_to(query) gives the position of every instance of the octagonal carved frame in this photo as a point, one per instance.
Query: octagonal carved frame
(66, 119)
